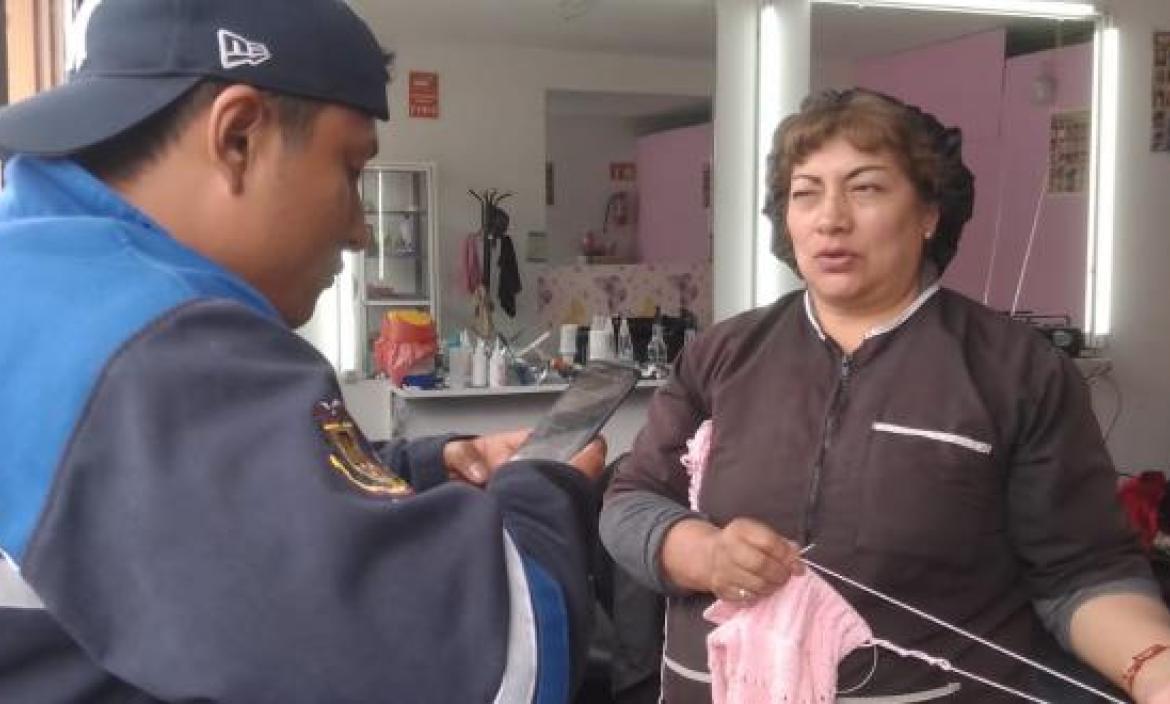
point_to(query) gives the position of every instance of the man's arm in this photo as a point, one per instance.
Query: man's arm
(201, 542)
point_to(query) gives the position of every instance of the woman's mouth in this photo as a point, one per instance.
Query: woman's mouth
(836, 261)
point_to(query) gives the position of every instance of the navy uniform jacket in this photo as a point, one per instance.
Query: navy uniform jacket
(172, 523)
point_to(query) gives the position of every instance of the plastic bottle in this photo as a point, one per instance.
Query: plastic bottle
(498, 367)
(479, 365)
(601, 338)
(625, 343)
(656, 348)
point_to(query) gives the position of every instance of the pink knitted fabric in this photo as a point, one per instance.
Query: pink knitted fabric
(783, 648)
(695, 460)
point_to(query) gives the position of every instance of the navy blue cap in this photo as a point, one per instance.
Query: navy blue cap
(139, 56)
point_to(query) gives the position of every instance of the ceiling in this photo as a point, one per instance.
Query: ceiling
(674, 28)
(671, 28)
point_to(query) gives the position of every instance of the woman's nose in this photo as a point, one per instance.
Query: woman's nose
(833, 214)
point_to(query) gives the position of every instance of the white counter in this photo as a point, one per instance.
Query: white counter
(385, 411)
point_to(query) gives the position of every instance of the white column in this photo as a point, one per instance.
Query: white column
(762, 73)
(737, 30)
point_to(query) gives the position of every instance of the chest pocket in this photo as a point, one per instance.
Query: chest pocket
(929, 494)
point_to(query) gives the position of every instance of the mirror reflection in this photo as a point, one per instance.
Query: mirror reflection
(1020, 89)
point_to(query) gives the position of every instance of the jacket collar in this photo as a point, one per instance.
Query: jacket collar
(927, 286)
(60, 188)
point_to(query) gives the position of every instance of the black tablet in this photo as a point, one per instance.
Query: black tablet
(579, 412)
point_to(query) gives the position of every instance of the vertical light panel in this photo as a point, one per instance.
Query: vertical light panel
(348, 299)
(766, 282)
(783, 68)
(1102, 183)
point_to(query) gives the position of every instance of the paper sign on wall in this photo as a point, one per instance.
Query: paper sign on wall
(424, 94)
(1068, 151)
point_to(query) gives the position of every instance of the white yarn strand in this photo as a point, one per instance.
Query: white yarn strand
(966, 634)
(1031, 241)
(946, 665)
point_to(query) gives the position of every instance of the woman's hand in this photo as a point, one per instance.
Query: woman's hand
(749, 560)
(743, 561)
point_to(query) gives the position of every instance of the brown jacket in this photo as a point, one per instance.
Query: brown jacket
(953, 462)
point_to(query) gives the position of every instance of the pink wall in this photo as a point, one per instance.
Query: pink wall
(1055, 279)
(673, 225)
(961, 83)
(968, 83)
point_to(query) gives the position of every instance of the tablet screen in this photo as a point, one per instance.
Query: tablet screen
(579, 412)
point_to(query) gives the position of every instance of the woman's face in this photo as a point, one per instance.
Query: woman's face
(858, 227)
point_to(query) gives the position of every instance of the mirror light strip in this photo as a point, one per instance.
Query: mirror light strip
(1026, 8)
(766, 286)
(1102, 185)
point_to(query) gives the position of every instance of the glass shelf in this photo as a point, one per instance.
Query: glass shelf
(397, 270)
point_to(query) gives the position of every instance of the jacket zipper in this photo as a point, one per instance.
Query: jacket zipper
(830, 427)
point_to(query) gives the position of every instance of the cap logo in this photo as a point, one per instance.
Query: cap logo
(75, 42)
(236, 51)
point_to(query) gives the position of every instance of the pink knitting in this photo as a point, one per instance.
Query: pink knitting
(695, 460)
(783, 648)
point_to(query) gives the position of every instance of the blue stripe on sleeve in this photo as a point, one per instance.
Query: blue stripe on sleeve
(552, 635)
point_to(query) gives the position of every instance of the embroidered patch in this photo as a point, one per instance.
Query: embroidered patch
(351, 455)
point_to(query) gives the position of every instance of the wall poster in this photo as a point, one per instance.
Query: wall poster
(424, 94)
(1068, 152)
(1160, 94)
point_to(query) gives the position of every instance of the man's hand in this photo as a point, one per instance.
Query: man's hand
(591, 460)
(475, 460)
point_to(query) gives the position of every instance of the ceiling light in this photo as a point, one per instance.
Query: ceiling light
(1031, 8)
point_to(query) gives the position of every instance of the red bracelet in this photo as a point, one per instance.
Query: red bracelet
(1138, 661)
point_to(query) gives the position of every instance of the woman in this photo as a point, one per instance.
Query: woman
(924, 445)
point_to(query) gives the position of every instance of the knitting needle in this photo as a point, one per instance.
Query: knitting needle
(939, 622)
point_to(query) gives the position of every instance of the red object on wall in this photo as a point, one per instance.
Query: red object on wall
(424, 94)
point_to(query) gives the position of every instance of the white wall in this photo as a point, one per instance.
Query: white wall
(832, 73)
(581, 149)
(491, 133)
(1140, 343)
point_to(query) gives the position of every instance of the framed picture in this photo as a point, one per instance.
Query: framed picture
(536, 249)
(1068, 151)
(1160, 94)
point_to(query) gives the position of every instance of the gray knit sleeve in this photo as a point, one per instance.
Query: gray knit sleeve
(1057, 613)
(633, 526)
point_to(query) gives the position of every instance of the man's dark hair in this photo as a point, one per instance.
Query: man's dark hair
(124, 156)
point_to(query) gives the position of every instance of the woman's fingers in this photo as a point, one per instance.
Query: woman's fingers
(752, 561)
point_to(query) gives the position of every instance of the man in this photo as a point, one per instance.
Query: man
(187, 512)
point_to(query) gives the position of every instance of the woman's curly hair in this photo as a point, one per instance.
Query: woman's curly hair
(930, 153)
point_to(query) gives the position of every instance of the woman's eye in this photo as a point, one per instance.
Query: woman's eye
(866, 188)
(801, 194)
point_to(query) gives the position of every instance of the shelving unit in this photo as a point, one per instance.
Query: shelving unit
(398, 270)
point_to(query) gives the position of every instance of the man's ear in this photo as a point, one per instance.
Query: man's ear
(238, 123)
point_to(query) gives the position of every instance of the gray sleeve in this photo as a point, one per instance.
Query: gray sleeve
(633, 526)
(1056, 613)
